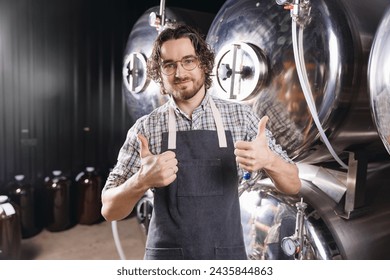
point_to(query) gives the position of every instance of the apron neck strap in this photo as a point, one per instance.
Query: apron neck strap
(218, 122)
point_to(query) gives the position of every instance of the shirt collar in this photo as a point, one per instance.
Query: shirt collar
(202, 105)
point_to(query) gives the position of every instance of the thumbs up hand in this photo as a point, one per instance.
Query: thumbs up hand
(255, 155)
(156, 170)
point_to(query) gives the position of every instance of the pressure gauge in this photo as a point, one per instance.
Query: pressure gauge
(290, 246)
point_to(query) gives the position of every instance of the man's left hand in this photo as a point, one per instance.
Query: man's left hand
(255, 155)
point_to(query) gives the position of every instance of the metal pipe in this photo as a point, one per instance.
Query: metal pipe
(162, 14)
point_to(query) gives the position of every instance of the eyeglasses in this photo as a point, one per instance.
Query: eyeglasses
(189, 63)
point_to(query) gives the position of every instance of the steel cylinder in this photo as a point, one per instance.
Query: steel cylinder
(379, 79)
(269, 216)
(255, 64)
(347, 215)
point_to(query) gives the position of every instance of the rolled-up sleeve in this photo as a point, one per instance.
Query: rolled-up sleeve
(128, 161)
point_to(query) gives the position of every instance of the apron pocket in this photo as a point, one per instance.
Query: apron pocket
(231, 253)
(200, 177)
(163, 254)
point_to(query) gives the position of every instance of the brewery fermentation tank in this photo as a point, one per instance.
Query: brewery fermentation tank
(255, 64)
(269, 218)
(141, 94)
(379, 79)
(340, 213)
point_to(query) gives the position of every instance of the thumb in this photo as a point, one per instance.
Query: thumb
(262, 125)
(144, 146)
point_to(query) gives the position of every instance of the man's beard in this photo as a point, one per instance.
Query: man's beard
(184, 92)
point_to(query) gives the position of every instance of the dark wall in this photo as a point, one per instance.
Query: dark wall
(61, 105)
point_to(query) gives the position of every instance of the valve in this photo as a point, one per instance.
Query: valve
(294, 245)
(159, 21)
(299, 10)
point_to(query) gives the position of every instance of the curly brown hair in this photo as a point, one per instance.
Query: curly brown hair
(202, 50)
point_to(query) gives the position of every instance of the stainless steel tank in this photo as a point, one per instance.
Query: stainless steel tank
(255, 64)
(269, 217)
(379, 79)
(339, 213)
(141, 94)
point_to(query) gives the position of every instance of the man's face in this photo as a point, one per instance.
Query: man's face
(182, 84)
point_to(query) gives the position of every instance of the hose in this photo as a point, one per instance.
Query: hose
(118, 244)
(304, 81)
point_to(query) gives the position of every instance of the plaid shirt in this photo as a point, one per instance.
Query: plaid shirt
(236, 117)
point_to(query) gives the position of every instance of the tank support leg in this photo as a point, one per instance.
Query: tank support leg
(356, 185)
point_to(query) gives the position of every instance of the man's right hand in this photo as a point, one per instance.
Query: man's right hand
(156, 170)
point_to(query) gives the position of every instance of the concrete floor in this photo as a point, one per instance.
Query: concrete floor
(86, 242)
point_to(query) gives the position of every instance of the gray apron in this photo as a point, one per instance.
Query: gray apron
(198, 215)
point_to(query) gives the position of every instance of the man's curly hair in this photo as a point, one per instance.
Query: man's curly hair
(202, 51)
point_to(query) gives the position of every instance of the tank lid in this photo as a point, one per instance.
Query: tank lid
(57, 172)
(3, 198)
(19, 177)
(134, 73)
(241, 70)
